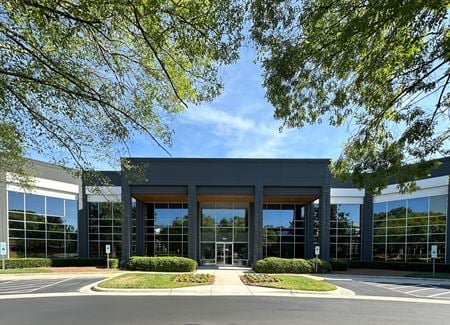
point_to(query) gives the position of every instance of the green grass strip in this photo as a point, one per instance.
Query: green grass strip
(145, 281)
(292, 282)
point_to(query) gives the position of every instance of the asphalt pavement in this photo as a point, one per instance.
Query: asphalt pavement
(45, 285)
(109, 310)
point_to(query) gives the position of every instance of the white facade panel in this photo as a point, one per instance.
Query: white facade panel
(428, 187)
(346, 196)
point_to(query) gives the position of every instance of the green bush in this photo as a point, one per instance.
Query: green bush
(22, 263)
(162, 264)
(80, 262)
(401, 266)
(339, 265)
(285, 265)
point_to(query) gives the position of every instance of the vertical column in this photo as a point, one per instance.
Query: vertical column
(258, 224)
(83, 224)
(193, 224)
(367, 224)
(140, 228)
(126, 219)
(3, 211)
(447, 246)
(309, 233)
(324, 223)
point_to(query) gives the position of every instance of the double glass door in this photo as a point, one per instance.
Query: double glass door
(224, 253)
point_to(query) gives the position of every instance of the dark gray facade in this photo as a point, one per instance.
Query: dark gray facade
(256, 180)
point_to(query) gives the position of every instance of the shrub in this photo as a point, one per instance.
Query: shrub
(21, 263)
(401, 266)
(285, 265)
(339, 265)
(98, 262)
(162, 264)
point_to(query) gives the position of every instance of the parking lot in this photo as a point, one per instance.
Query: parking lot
(24, 286)
(398, 289)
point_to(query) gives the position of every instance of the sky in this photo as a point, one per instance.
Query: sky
(240, 124)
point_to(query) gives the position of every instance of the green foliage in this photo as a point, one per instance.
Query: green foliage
(369, 65)
(287, 265)
(401, 266)
(339, 265)
(162, 264)
(21, 263)
(98, 262)
(80, 78)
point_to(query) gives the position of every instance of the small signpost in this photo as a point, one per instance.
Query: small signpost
(3, 251)
(317, 253)
(108, 251)
(433, 257)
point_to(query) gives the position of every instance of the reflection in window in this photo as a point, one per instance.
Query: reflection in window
(42, 226)
(345, 231)
(105, 228)
(166, 229)
(283, 230)
(224, 222)
(404, 230)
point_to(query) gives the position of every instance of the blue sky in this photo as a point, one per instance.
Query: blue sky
(240, 124)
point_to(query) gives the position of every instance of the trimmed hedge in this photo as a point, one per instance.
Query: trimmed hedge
(287, 265)
(97, 262)
(401, 266)
(339, 265)
(22, 263)
(162, 264)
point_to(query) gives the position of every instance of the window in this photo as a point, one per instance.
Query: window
(404, 230)
(345, 231)
(284, 230)
(42, 226)
(105, 228)
(166, 229)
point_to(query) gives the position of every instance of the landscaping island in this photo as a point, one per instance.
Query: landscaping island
(157, 281)
(290, 282)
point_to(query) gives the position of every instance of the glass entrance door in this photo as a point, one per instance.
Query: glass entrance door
(224, 253)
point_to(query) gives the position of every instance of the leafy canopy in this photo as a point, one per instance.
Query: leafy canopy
(380, 66)
(79, 78)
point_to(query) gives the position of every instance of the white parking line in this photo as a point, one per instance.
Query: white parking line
(440, 294)
(418, 290)
(51, 284)
(28, 286)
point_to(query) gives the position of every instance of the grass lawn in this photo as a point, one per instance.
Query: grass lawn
(26, 270)
(429, 275)
(291, 282)
(154, 281)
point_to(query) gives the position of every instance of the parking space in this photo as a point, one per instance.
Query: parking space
(415, 290)
(391, 289)
(21, 286)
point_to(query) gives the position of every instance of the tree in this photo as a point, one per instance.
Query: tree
(374, 65)
(80, 78)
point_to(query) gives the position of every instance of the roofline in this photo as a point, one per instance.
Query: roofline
(143, 159)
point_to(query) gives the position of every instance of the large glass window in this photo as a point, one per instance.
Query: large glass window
(404, 230)
(105, 228)
(284, 230)
(225, 223)
(166, 229)
(345, 231)
(42, 226)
